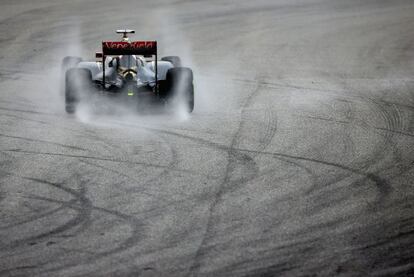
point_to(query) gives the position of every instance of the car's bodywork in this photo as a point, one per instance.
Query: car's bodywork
(128, 68)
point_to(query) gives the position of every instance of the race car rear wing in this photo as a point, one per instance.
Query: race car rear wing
(129, 48)
(117, 48)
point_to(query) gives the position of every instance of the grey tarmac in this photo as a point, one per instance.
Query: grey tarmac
(298, 159)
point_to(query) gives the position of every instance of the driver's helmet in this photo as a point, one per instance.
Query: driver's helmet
(128, 62)
(128, 66)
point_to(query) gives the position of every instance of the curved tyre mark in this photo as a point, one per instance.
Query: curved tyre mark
(37, 216)
(44, 141)
(84, 208)
(236, 160)
(96, 158)
(82, 217)
(379, 182)
(130, 242)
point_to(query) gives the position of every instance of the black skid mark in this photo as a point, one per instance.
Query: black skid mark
(83, 214)
(95, 158)
(27, 111)
(381, 184)
(383, 187)
(395, 131)
(128, 243)
(44, 141)
(235, 160)
(38, 216)
(24, 118)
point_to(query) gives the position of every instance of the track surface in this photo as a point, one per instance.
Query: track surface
(298, 159)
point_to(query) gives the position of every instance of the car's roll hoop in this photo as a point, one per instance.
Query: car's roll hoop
(125, 33)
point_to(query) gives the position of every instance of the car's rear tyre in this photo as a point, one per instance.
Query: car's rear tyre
(179, 83)
(78, 81)
(175, 60)
(67, 63)
(70, 62)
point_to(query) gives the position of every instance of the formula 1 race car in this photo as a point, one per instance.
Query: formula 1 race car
(130, 70)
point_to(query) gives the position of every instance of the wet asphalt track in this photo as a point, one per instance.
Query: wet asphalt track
(298, 159)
